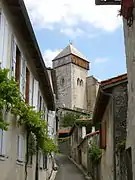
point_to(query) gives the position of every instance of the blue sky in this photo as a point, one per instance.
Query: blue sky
(95, 31)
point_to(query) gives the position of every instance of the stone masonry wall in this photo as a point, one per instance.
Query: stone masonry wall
(63, 79)
(78, 91)
(107, 154)
(91, 92)
(121, 101)
(129, 37)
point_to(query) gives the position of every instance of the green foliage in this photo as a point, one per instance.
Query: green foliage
(97, 125)
(82, 123)
(11, 100)
(31, 144)
(62, 140)
(94, 153)
(121, 146)
(69, 119)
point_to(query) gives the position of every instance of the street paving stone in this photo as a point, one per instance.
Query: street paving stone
(67, 170)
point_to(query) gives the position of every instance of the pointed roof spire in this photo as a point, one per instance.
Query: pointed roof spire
(70, 49)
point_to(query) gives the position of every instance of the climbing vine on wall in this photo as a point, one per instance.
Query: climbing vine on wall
(11, 101)
(121, 146)
(94, 153)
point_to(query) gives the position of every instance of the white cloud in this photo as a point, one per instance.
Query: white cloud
(49, 55)
(73, 33)
(100, 60)
(69, 14)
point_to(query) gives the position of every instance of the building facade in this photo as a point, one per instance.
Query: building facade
(19, 52)
(111, 112)
(129, 39)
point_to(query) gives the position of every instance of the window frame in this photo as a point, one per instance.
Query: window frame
(3, 143)
(20, 148)
(27, 85)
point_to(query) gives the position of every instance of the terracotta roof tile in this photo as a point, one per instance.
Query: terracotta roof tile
(93, 133)
(62, 131)
(113, 80)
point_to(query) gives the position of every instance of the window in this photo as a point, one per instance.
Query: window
(41, 160)
(2, 142)
(35, 94)
(45, 161)
(17, 65)
(20, 148)
(31, 90)
(30, 157)
(81, 82)
(129, 163)
(27, 82)
(13, 61)
(78, 81)
(40, 104)
(23, 76)
(103, 134)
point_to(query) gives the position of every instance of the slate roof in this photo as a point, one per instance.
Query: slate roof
(70, 49)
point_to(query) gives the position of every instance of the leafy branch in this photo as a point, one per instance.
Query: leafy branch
(94, 153)
(69, 119)
(11, 100)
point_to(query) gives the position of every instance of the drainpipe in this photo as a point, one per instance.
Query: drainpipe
(113, 111)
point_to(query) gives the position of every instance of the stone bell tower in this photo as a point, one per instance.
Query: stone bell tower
(71, 69)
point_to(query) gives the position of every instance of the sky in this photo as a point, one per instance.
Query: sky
(96, 31)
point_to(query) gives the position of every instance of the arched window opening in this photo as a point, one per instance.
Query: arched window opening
(78, 81)
(81, 82)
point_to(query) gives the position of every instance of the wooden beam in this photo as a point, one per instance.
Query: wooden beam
(107, 2)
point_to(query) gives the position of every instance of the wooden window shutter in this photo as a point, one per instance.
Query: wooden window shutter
(5, 46)
(27, 85)
(35, 95)
(23, 76)
(31, 90)
(13, 61)
(103, 135)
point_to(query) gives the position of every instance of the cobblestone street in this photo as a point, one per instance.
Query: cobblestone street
(67, 170)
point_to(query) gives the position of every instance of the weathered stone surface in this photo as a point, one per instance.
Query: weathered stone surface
(121, 102)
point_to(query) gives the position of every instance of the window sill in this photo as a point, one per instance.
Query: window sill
(3, 158)
(21, 163)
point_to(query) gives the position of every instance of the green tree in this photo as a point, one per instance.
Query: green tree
(69, 119)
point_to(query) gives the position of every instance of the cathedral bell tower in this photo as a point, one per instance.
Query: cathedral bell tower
(71, 69)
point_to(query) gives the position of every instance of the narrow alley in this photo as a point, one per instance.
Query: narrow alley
(67, 170)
